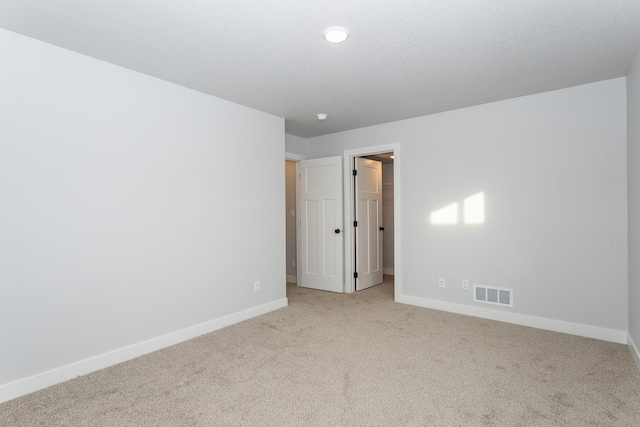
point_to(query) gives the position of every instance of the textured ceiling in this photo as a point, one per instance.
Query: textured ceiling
(403, 58)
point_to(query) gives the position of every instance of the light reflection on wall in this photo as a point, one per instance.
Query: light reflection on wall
(448, 215)
(473, 208)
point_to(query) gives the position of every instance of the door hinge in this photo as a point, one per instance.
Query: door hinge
(355, 172)
(355, 275)
(355, 223)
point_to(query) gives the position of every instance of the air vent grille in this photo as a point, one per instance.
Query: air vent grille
(491, 295)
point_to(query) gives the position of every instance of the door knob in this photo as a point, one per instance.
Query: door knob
(381, 228)
(337, 231)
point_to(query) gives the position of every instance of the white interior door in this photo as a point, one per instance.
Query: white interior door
(321, 230)
(369, 230)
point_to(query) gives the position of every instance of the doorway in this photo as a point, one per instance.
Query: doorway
(393, 254)
(387, 212)
(290, 220)
(391, 209)
(291, 213)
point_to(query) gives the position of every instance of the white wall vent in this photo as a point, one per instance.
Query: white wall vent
(491, 295)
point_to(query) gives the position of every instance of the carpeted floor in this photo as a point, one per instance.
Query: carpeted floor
(354, 360)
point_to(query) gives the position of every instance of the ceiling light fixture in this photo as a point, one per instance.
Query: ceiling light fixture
(322, 117)
(336, 34)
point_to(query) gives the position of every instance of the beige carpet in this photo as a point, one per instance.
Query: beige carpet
(354, 360)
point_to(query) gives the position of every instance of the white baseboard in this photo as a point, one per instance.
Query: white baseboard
(634, 350)
(388, 271)
(64, 373)
(578, 329)
(292, 279)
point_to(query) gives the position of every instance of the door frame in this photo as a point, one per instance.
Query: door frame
(349, 214)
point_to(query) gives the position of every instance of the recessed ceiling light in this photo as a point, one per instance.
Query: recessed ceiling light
(336, 34)
(322, 117)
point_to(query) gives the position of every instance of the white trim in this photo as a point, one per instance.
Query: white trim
(348, 156)
(578, 329)
(292, 279)
(635, 354)
(294, 157)
(388, 271)
(64, 373)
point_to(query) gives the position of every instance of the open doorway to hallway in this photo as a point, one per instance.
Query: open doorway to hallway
(290, 220)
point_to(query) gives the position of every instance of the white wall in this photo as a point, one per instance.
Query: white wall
(130, 209)
(633, 155)
(552, 167)
(295, 144)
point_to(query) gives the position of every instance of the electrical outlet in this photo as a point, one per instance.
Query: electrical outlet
(256, 286)
(465, 285)
(441, 282)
